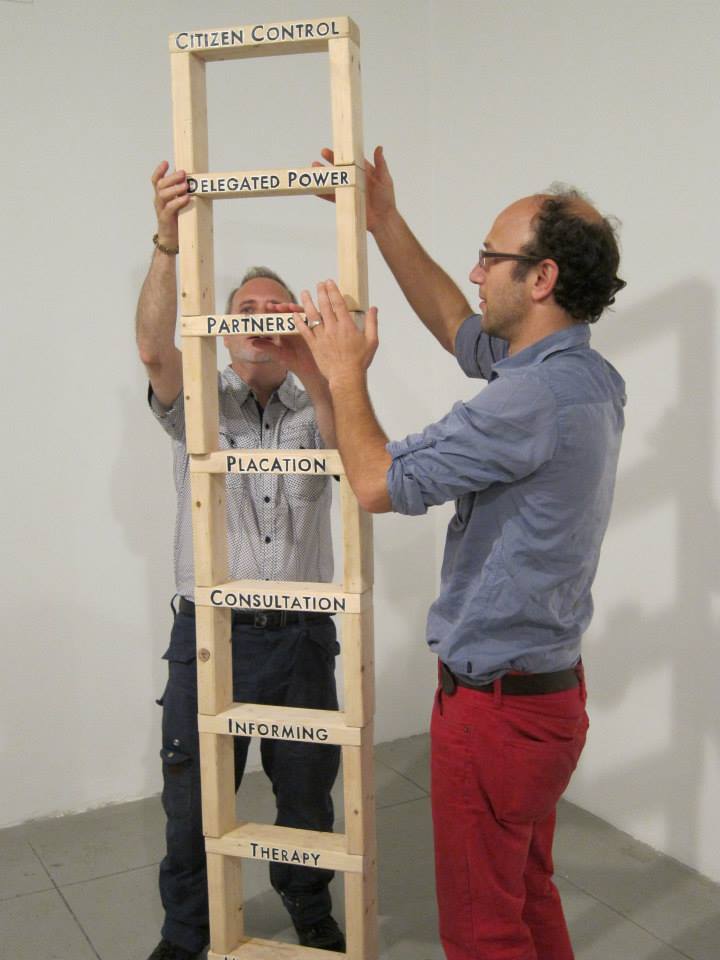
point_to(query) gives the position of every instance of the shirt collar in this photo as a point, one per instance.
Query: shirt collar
(288, 392)
(577, 335)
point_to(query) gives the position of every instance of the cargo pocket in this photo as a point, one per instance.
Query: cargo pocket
(177, 782)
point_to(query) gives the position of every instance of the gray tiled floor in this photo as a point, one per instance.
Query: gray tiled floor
(85, 887)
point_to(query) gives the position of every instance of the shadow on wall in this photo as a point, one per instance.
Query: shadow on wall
(667, 783)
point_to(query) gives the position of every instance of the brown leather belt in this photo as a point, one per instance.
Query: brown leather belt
(265, 619)
(513, 684)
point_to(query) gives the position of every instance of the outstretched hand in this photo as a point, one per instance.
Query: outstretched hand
(379, 189)
(171, 195)
(340, 350)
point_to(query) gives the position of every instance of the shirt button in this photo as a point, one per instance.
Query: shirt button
(170, 754)
(268, 539)
(267, 426)
(176, 743)
(266, 499)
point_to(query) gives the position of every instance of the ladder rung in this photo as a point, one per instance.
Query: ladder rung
(306, 462)
(263, 39)
(240, 324)
(255, 949)
(282, 723)
(290, 595)
(307, 848)
(272, 183)
(249, 325)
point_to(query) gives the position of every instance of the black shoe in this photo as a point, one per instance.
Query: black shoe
(323, 935)
(169, 951)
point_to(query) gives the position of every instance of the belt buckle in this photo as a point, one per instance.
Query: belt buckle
(270, 619)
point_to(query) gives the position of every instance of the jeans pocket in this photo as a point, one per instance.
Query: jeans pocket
(531, 776)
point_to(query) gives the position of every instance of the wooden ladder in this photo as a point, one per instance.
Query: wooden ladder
(228, 841)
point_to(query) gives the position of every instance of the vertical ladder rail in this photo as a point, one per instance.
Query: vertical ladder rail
(219, 718)
(200, 397)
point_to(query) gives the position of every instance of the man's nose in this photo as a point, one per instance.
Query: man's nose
(477, 273)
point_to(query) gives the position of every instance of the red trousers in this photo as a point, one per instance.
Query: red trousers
(499, 766)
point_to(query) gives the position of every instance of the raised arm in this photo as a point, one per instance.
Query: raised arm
(156, 313)
(433, 295)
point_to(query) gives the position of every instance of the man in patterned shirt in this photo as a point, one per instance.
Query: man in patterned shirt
(278, 529)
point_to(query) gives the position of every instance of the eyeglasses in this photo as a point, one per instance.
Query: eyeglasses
(486, 255)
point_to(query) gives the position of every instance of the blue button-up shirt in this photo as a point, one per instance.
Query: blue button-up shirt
(531, 463)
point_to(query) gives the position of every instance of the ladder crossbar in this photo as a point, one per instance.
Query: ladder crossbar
(263, 39)
(255, 948)
(282, 723)
(307, 848)
(250, 324)
(300, 181)
(316, 462)
(290, 595)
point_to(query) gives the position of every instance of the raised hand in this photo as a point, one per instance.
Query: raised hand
(379, 188)
(339, 348)
(170, 197)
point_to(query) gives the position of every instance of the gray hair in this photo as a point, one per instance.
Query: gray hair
(258, 273)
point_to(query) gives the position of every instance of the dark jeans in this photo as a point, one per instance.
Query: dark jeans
(293, 666)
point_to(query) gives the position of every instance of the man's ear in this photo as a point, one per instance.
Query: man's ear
(546, 275)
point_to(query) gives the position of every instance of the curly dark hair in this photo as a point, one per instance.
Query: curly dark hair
(585, 250)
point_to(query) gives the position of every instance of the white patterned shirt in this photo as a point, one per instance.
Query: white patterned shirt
(278, 525)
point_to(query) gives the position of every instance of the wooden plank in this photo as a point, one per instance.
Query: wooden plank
(197, 282)
(361, 926)
(358, 667)
(262, 39)
(359, 779)
(346, 97)
(352, 246)
(281, 723)
(217, 779)
(250, 324)
(294, 596)
(357, 524)
(209, 519)
(225, 902)
(242, 325)
(214, 659)
(308, 848)
(294, 181)
(257, 949)
(286, 461)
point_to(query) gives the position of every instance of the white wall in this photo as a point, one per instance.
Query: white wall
(477, 103)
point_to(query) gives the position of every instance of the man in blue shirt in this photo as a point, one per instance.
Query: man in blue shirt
(531, 463)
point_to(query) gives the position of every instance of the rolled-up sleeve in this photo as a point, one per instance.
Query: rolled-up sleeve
(171, 419)
(503, 434)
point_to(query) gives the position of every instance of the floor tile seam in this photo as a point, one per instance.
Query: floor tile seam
(28, 893)
(107, 876)
(625, 916)
(67, 905)
(404, 776)
(80, 926)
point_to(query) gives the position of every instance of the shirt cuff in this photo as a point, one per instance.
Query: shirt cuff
(405, 493)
